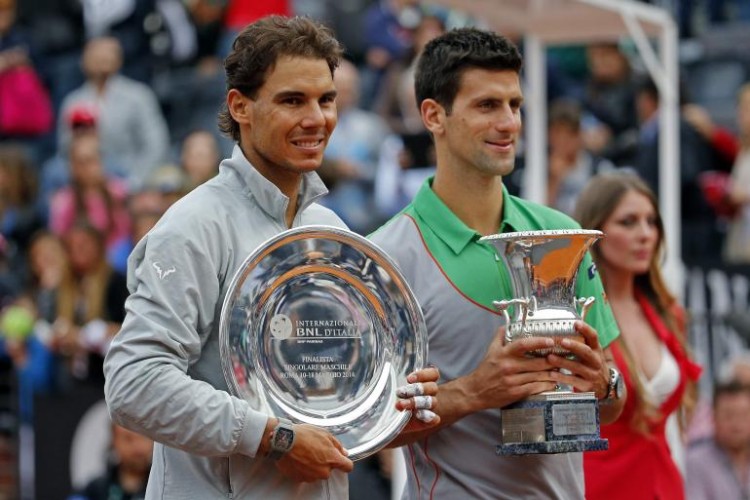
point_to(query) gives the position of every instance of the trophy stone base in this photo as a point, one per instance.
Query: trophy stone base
(551, 422)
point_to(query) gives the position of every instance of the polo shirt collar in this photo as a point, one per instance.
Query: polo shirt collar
(452, 230)
(515, 216)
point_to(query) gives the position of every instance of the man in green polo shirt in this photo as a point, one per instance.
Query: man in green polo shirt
(468, 89)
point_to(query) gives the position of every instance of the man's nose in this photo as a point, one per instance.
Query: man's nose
(314, 116)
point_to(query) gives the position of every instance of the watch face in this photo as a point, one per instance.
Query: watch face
(283, 439)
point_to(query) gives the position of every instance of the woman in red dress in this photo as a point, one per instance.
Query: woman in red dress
(651, 352)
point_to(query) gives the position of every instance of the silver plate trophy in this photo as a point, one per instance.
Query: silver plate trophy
(543, 267)
(319, 326)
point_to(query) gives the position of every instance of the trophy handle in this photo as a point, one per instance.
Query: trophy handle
(503, 305)
(585, 303)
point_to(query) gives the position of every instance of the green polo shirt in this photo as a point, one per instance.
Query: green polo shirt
(476, 270)
(456, 278)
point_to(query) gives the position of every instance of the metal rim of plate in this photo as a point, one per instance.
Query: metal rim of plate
(552, 233)
(351, 276)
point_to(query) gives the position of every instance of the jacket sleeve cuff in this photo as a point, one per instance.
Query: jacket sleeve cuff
(252, 433)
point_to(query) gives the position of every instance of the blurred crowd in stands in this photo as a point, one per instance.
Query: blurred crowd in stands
(108, 116)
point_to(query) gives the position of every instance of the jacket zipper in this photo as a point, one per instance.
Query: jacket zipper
(230, 493)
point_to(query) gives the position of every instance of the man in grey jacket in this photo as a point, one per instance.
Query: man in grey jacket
(163, 370)
(128, 119)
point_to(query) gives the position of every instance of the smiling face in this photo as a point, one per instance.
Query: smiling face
(285, 128)
(482, 128)
(85, 250)
(85, 161)
(47, 255)
(200, 156)
(632, 234)
(732, 429)
(102, 58)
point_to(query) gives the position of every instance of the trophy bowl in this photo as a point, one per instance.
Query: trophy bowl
(543, 268)
(319, 326)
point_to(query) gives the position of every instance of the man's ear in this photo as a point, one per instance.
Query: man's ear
(240, 107)
(433, 116)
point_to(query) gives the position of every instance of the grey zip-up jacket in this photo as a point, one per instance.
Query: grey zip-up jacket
(163, 371)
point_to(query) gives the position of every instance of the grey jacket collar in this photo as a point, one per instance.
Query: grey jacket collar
(268, 195)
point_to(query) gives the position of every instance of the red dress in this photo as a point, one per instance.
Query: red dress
(637, 465)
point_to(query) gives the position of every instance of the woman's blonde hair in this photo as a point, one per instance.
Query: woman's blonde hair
(72, 293)
(595, 206)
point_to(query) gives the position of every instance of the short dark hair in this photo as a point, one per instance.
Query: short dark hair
(257, 48)
(731, 388)
(445, 58)
(566, 112)
(647, 86)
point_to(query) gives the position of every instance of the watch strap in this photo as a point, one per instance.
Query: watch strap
(614, 381)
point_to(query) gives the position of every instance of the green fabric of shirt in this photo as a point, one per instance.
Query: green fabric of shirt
(479, 273)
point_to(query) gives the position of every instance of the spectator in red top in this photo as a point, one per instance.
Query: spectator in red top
(240, 13)
(92, 196)
(651, 352)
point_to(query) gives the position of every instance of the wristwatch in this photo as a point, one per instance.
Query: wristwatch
(282, 439)
(616, 386)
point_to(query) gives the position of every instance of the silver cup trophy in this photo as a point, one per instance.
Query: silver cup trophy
(318, 326)
(543, 267)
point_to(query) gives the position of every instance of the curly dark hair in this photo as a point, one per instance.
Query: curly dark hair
(257, 48)
(446, 57)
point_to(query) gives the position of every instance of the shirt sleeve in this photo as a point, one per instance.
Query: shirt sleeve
(175, 286)
(599, 315)
(150, 132)
(698, 477)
